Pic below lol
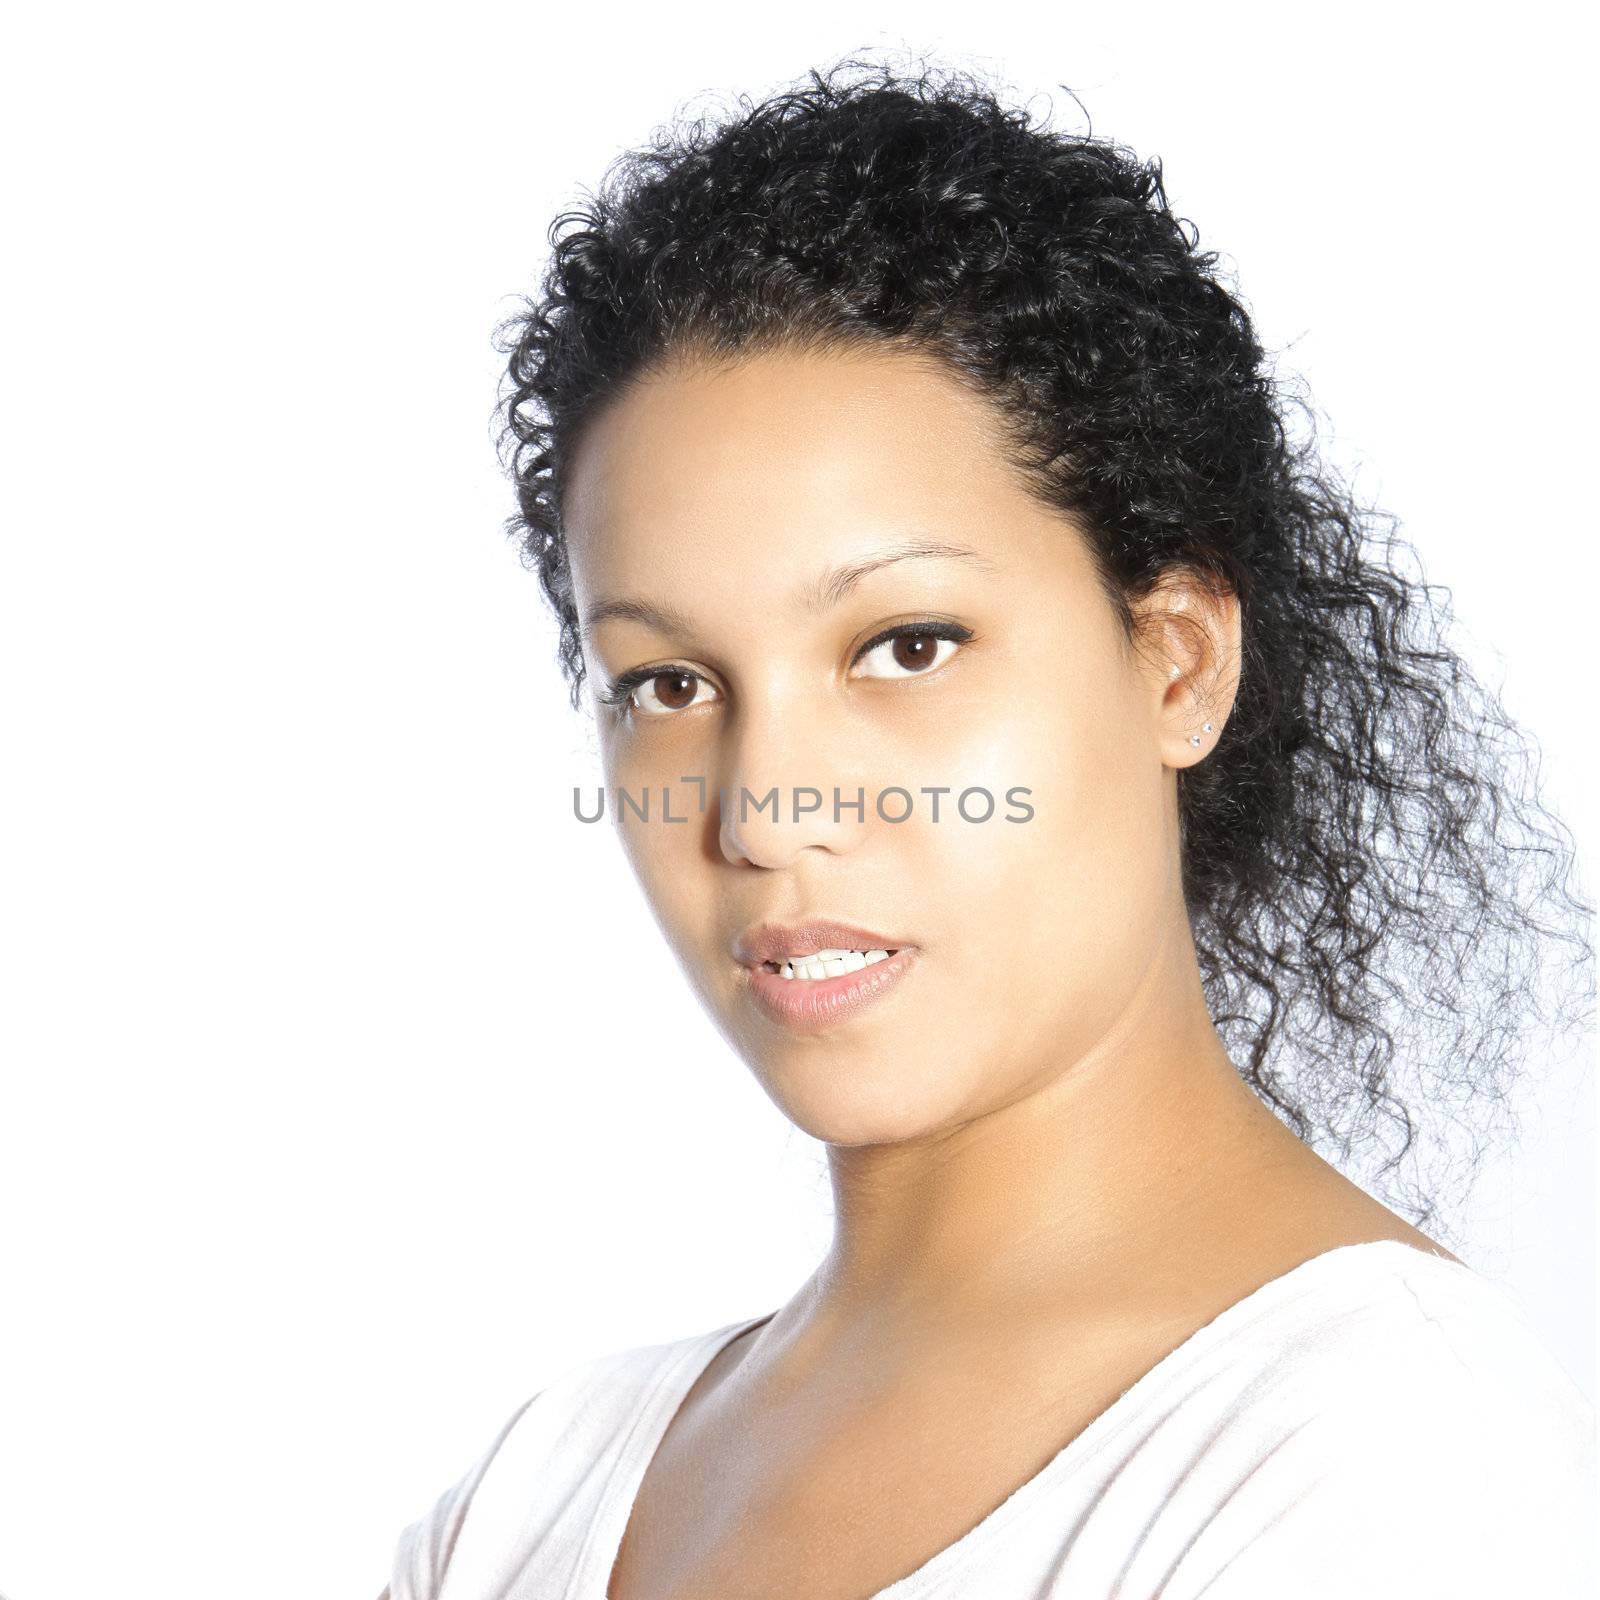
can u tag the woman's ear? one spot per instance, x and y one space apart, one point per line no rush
1188 635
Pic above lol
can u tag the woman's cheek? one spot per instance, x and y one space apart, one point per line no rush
1042 892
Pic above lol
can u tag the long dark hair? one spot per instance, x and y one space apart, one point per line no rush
1372 880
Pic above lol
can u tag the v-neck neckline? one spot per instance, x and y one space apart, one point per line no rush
673 1383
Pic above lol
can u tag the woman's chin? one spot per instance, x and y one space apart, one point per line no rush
844 1099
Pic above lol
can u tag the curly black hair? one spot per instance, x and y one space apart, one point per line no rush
1365 856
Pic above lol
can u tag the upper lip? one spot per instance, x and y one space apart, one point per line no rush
772 941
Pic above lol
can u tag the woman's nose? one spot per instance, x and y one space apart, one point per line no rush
785 789
768 827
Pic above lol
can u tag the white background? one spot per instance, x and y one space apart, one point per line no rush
350 1093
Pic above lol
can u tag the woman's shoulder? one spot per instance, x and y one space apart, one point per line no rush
1444 1329
1385 1327
603 1394
550 1447
1400 1396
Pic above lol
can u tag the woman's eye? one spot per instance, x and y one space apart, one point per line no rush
906 655
672 690
907 652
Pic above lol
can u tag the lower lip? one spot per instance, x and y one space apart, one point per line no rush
810 1004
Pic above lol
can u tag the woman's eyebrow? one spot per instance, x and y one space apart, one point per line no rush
821 595
833 586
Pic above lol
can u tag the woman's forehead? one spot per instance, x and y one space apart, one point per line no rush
780 431
800 461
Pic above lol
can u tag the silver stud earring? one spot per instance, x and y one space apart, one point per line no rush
1194 738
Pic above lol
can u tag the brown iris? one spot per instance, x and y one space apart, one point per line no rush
914 651
677 684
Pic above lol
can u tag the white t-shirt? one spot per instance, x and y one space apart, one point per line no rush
1379 1421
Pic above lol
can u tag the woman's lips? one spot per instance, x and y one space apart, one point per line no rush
810 1004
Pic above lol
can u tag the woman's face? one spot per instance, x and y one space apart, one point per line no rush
728 506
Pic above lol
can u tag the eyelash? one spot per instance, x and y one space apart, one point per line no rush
622 689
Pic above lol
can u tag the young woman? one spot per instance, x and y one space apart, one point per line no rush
1065 792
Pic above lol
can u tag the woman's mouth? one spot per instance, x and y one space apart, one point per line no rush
812 992
826 964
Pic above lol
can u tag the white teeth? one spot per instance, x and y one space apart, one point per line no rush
829 963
